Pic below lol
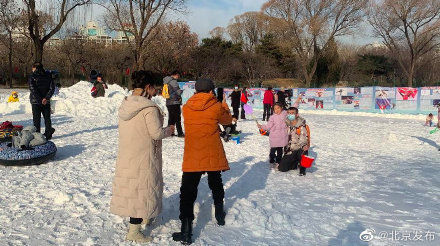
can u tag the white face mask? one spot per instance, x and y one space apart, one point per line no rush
236 88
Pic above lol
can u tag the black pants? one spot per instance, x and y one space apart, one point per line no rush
188 191
174 117
267 111
276 154
236 110
136 221
243 113
292 162
37 110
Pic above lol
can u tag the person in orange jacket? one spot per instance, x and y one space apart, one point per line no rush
203 153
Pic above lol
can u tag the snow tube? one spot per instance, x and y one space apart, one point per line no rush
6 134
10 156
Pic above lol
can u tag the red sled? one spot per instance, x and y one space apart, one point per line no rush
306 161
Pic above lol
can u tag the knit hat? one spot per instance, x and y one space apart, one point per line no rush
93 74
204 85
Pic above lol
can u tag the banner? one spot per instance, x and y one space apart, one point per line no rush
385 98
429 99
320 98
406 98
354 98
366 99
188 90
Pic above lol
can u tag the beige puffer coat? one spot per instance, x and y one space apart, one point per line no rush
138 182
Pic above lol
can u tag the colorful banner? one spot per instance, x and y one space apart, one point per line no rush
385 98
406 98
367 99
320 98
354 98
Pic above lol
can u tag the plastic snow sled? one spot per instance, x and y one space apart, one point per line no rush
264 133
37 155
236 138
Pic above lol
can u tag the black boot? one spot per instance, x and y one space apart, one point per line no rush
184 236
220 214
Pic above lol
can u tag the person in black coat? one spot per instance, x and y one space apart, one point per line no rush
235 101
41 86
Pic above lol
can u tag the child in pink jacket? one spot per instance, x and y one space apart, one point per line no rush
278 136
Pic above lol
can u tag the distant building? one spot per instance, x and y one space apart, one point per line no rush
93 32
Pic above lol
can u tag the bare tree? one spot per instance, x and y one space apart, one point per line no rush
9 16
40 33
409 28
248 28
218 32
313 23
139 19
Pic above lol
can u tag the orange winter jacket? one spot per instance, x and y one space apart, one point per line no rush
203 148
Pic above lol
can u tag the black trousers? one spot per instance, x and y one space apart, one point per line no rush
243 113
37 110
236 110
276 154
267 111
292 162
188 191
136 221
174 117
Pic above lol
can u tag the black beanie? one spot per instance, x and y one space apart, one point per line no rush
204 85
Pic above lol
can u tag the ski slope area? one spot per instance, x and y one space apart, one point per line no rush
371 172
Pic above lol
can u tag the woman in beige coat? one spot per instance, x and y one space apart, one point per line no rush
138 182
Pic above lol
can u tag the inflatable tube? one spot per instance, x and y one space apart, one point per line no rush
38 155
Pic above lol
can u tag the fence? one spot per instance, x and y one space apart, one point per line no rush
359 99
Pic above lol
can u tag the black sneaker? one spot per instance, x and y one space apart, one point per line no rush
181 135
48 134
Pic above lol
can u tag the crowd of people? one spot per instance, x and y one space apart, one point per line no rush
138 181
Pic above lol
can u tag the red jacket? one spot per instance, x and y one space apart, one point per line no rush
244 97
268 97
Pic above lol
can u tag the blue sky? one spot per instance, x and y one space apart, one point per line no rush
205 15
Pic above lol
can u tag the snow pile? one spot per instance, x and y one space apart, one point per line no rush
74 101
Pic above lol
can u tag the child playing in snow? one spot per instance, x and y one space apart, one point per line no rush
13 97
429 120
278 133
298 144
230 129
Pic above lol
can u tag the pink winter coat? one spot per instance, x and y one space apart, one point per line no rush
278 130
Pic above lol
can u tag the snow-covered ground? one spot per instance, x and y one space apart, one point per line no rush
371 172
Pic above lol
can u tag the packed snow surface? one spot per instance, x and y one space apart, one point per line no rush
371 171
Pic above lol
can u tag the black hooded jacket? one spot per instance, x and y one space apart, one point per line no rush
41 86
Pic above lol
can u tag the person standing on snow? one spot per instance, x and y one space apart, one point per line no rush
41 86
174 102
203 153
100 86
235 101
243 100
278 134
138 181
268 102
